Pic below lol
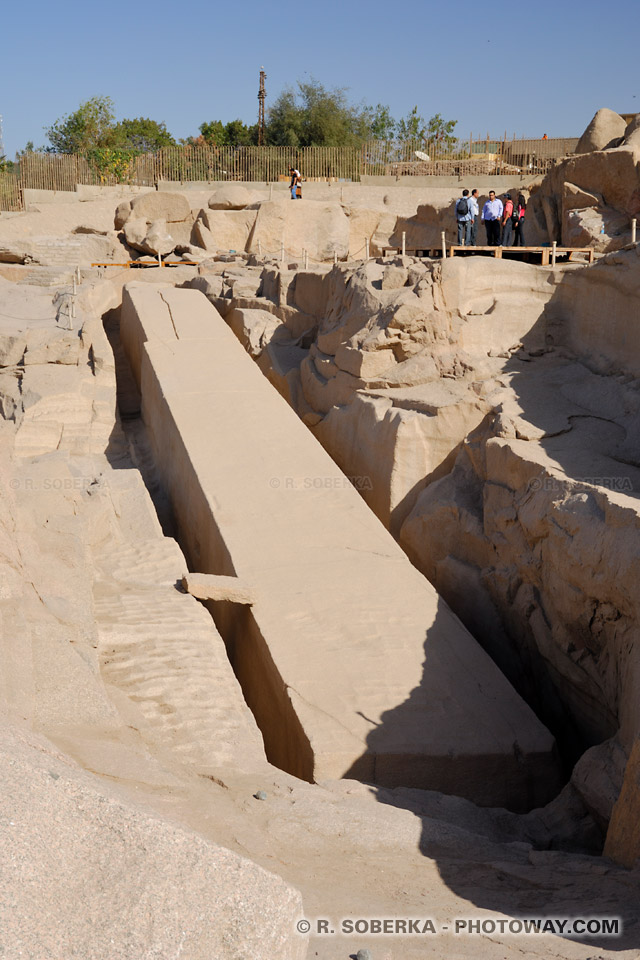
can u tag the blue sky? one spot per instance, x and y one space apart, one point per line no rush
542 67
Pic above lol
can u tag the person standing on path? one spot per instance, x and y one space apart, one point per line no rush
491 213
296 180
464 217
518 222
475 216
507 222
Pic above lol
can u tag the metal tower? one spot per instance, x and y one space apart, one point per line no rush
262 94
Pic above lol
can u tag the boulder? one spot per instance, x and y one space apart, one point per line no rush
135 230
632 133
598 777
123 211
583 228
208 586
393 277
231 196
158 240
623 836
574 197
203 237
253 328
170 207
154 239
606 126
229 229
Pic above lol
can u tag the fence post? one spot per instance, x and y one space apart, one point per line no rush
404 242
554 247
444 245
633 230
366 248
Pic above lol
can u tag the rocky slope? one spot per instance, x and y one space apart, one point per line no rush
489 419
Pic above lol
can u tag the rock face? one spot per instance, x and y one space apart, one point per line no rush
321 228
605 128
148 886
289 522
582 193
485 411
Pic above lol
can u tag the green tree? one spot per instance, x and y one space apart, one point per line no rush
412 127
315 116
284 121
381 124
212 133
89 127
234 134
441 133
141 134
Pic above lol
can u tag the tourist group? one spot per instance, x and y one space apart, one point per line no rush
503 220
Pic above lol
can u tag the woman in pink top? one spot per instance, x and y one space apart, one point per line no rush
507 226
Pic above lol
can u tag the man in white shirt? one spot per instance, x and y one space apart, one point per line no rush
475 216
296 179
491 213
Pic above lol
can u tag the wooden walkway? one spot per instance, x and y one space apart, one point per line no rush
544 252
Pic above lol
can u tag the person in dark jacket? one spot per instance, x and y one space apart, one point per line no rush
518 222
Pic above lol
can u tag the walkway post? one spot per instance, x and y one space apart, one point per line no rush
404 242
553 253
634 223
444 245
366 247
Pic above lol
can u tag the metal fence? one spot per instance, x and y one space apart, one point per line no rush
463 157
471 156
264 164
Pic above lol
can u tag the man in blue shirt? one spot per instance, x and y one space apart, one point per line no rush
491 213
475 216
464 218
